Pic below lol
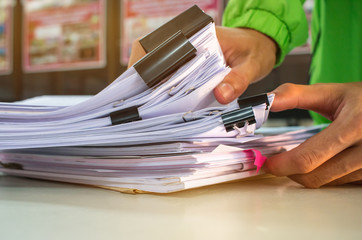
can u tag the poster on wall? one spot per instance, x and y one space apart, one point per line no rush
63 35
140 17
6 34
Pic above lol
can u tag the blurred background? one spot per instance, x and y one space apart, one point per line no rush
77 47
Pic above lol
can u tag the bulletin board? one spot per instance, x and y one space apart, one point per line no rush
63 35
140 17
6 35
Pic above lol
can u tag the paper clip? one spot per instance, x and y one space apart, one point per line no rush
170 90
189 90
118 103
185 114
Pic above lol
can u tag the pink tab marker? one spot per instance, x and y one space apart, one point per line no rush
259 158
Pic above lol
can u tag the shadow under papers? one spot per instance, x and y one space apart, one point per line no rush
231 194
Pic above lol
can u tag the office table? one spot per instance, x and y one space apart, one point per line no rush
271 208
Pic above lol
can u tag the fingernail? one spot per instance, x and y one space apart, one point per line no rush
227 91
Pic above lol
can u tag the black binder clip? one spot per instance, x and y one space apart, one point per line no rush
188 22
125 115
238 118
165 59
254 101
15 166
168 47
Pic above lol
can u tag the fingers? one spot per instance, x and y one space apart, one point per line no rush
236 82
313 152
338 136
354 177
250 54
321 98
342 168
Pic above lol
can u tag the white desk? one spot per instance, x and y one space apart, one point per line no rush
274 208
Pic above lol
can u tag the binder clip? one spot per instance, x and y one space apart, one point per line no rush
165 59
15 166
188 22
125 115
254 101
168 47
238 118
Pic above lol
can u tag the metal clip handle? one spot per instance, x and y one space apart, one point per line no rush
188 22
165 59
238 118
254 101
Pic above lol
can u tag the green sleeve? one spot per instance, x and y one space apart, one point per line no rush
282 20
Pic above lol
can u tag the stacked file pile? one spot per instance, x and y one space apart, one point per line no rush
156 128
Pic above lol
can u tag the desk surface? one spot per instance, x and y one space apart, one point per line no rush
274 208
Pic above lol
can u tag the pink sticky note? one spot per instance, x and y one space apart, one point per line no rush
259 158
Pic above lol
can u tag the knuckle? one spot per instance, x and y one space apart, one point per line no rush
357 125
344 166
240 76
287 87
343 139
312 181
239 80
348 138
257 68
305 161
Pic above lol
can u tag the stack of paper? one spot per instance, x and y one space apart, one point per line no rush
158 168
156 128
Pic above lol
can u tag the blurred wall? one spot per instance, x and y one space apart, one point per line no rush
19 85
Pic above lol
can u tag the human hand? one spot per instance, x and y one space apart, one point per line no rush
333 156
249 53
251 56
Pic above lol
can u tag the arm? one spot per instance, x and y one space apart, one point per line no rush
257 37
332 156
282 20
251 56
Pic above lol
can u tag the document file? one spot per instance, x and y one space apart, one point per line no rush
156 128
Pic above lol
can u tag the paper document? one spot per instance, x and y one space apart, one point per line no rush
156 128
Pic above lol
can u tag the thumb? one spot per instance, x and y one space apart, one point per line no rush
235 83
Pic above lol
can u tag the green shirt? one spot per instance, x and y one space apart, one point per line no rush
336 33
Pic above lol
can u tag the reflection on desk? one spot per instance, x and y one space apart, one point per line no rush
272 208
